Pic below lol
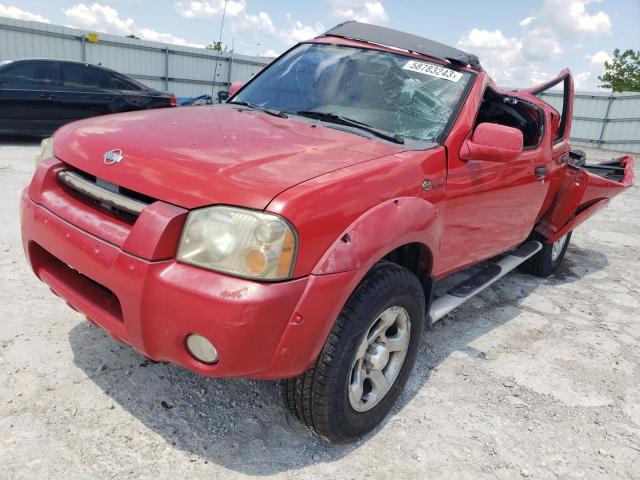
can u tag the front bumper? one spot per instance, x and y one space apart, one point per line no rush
154 305
123 277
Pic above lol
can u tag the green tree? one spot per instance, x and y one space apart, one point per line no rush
622 73
217 46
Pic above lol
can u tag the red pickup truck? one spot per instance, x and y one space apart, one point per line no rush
297 231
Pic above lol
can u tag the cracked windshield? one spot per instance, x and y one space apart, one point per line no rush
387 91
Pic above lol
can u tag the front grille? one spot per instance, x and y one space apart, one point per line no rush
119 201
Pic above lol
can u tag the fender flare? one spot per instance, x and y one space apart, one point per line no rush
380 230
368 239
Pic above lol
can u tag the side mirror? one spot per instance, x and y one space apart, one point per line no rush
493 143
235 86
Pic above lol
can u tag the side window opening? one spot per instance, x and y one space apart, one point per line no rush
556 96
118 82
29 74
512 112
77 75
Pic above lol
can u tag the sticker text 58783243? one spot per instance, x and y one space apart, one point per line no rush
433 70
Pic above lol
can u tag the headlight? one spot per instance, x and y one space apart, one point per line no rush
238 241
46 150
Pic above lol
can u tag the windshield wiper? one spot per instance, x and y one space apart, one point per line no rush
270 111
339 119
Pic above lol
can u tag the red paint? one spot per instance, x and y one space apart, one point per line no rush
235 88
405 219
359 191
351 199
602 188
568 197
579 195
492 143
159 303
202 156
579 218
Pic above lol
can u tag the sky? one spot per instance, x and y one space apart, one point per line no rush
519 42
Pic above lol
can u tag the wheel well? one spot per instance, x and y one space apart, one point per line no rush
415 257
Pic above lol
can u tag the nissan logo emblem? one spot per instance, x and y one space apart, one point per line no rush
112 156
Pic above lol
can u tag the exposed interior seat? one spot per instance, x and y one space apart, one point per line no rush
512 112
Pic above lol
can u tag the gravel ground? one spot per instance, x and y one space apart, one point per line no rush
532 378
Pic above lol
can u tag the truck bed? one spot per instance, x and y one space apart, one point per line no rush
612 170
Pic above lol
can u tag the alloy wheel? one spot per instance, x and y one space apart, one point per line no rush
379 358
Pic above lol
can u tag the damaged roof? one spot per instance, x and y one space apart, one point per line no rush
405 41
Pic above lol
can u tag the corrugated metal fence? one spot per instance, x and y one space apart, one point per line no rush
184 71
603 120
600 119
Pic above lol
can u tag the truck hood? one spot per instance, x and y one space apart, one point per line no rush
197 156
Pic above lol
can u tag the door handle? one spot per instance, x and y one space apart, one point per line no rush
113 99
541 171
47 96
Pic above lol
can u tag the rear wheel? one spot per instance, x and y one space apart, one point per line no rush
366 360
548 259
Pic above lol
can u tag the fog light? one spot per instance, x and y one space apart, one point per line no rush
201 348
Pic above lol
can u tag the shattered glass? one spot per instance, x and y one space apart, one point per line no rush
370 86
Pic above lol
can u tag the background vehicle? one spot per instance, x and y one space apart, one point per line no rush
38 96
192 101
302 238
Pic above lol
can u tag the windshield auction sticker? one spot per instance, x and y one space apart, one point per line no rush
433 70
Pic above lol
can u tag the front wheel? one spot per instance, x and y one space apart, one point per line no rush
366 360
548 259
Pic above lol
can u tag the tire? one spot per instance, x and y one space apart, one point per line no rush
323 398
547 260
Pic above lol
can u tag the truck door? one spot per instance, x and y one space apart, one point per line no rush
569 184
491 206
558 93
579 190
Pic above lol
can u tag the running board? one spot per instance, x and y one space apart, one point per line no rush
489 273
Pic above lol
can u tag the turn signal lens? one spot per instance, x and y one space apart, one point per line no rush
46 151
288 251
